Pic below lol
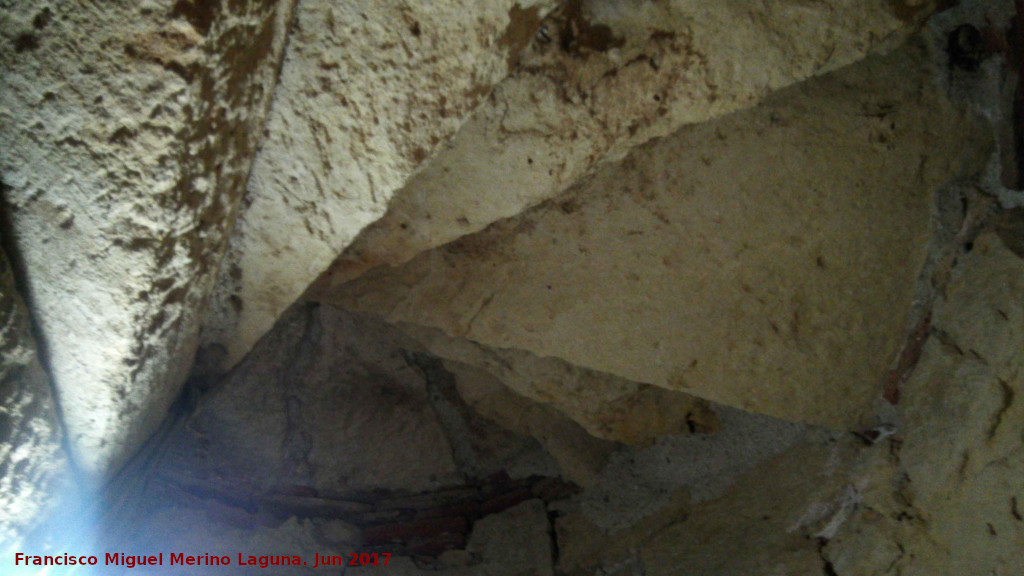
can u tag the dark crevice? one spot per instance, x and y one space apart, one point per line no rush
199 13
1007 399
977 211
261 134
826 565
445 402
553 534
297 440
122 495
26 42
462 426
965 48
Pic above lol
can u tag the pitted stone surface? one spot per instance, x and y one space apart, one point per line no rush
32 461
126 134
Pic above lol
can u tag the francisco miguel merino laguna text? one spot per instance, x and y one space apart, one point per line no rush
175 559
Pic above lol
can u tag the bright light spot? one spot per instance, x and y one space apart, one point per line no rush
72 529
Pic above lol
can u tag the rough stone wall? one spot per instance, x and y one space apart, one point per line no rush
941 496
418 457
963 451
32 460
384 414
126 134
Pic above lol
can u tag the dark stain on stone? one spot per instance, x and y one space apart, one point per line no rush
175 296
965 48
199 13
121 136
523 25
135 244
474 246
419 155
915 11
476 93
904 10
157 321
242 51
164 48
42 19
579 35
1009 225
569 206
26 42
1007 401
702 419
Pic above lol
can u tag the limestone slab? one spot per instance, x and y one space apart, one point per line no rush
126 134
368 92
604 76
510 543
765 260
756 528
515 541
196 527
32 460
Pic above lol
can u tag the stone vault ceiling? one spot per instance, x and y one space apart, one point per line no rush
603 274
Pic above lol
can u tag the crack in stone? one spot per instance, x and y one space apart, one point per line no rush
452 414
1007 401
297 438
